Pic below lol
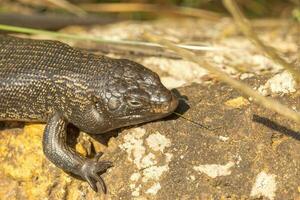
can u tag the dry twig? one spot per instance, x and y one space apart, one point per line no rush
246 28
153 8
103 40
266 102
64 4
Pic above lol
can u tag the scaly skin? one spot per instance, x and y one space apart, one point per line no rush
49 81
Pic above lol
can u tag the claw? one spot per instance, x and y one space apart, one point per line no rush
101 182
91 171
91 183
98 156
103 166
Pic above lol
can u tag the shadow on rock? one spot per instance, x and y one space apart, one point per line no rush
276 127
182 107
11 124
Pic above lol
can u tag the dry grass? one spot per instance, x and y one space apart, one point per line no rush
246 28
243 88
152 8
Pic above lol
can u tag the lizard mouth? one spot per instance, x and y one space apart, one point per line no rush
167 107
156 112
131 117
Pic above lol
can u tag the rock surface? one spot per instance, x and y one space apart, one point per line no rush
224 146
244 151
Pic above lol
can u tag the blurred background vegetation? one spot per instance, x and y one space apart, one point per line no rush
252 8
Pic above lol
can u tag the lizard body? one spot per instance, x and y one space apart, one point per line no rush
49 81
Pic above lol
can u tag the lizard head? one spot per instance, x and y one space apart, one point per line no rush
133 94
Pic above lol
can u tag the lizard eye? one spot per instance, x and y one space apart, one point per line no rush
134 103
136 98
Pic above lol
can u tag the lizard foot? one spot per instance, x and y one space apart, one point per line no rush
91 171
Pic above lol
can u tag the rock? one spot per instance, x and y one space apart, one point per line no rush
247 144
245 152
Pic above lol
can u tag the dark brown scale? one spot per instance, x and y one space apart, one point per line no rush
49 81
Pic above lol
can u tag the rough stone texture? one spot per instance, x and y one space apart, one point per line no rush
248 152
245 151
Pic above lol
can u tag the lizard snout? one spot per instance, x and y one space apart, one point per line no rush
169 101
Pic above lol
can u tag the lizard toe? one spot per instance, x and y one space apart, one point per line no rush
98 156
102 166
91 171
91 182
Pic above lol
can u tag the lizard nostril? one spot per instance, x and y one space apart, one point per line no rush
169 102
165 97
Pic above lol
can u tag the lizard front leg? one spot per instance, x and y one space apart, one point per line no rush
59 153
